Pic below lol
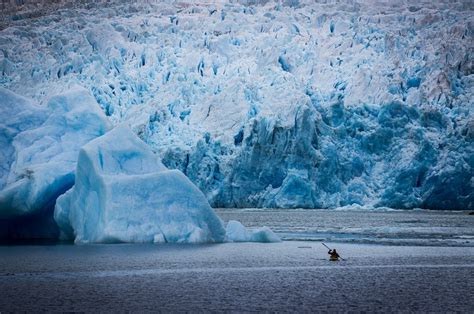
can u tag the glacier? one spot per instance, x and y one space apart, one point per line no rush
38 156
123 193
313 104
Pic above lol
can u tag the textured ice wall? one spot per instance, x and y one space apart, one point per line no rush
286 104
39 148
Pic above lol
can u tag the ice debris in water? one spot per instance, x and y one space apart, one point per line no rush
236 232
123 193
39 148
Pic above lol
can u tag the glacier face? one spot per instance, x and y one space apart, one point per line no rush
123 193
38 156
274 104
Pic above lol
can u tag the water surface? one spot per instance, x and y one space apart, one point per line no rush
376 276
392 227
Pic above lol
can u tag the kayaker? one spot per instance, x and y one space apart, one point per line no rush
333 256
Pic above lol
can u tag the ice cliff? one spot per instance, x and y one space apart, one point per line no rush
272 103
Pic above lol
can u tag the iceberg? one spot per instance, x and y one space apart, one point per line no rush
123 193
38 157
236 232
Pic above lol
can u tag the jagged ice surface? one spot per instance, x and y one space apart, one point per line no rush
291 104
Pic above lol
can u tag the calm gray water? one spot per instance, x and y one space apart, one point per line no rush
391 227
289 276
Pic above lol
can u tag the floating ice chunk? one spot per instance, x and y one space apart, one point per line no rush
39 153
236 232
264 234
123 193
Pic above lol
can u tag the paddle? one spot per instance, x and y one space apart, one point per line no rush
330 249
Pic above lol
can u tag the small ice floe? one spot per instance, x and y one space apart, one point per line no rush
236 232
